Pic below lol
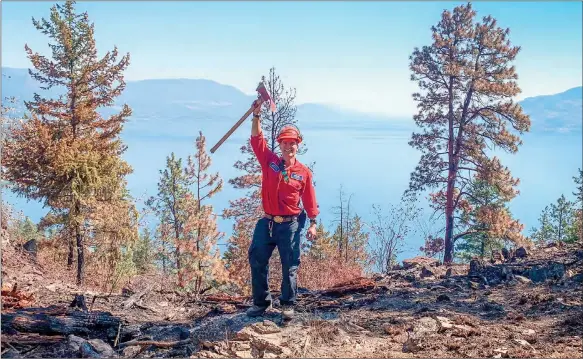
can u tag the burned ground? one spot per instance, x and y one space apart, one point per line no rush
525 306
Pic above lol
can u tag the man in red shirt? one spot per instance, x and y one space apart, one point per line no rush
285 181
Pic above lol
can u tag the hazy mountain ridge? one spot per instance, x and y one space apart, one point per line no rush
183 102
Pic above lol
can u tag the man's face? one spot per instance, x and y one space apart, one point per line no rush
289 149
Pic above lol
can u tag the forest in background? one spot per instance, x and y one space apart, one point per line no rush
65 154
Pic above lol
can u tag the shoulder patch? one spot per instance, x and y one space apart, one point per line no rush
274 166
297 176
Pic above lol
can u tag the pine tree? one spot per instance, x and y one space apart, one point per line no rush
561 216
202 263
465 108
575 231
543 234
144 252
67 154
485 221
188 228
171 207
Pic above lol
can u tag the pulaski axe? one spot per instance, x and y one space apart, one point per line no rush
262 96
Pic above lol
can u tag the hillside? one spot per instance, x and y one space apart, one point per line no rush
157 104
561 112
176 106
523 305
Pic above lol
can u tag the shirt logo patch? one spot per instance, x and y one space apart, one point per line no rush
274 167
297 176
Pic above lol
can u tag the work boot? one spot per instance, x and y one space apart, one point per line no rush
256 311
287 312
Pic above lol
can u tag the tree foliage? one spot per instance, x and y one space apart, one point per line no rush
66 154
465 108
187 231
562 220
486 221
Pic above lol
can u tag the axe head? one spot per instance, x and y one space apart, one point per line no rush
263 92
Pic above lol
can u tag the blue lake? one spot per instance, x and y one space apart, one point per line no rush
372 161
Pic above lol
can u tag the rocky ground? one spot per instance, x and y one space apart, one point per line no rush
523 305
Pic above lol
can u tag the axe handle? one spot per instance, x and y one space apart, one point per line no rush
230 132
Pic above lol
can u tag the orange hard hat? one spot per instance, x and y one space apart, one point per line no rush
289 133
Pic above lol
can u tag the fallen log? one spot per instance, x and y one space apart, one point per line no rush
32 339
52 321
359 285
223 298
155 343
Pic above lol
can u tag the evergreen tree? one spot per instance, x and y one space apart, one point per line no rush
466 107
67 154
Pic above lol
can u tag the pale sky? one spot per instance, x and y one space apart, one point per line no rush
350 54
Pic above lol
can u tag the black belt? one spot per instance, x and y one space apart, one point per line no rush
281 219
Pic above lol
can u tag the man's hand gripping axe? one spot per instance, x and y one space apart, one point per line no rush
262 96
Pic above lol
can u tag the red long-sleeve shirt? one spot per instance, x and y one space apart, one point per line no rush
278 197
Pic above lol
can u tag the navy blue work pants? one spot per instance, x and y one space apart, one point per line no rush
286 236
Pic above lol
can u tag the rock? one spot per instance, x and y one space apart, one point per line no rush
494 281
426 272
30 247
505 254
492 306
506 273
541 273
53 287
410 278
522 279
126 292
577 278
87 351
208 354
473 285
476 267
422 328
443 323
464 331
443 298
497 256
93 348
264 336
267 327
131 351
11 353
102 348
420 261
438 287
522 342
521 253
75 342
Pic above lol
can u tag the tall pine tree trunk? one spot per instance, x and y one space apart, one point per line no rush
448 255
80 255
178 261
71 249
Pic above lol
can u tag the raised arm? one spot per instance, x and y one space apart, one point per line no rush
258 143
